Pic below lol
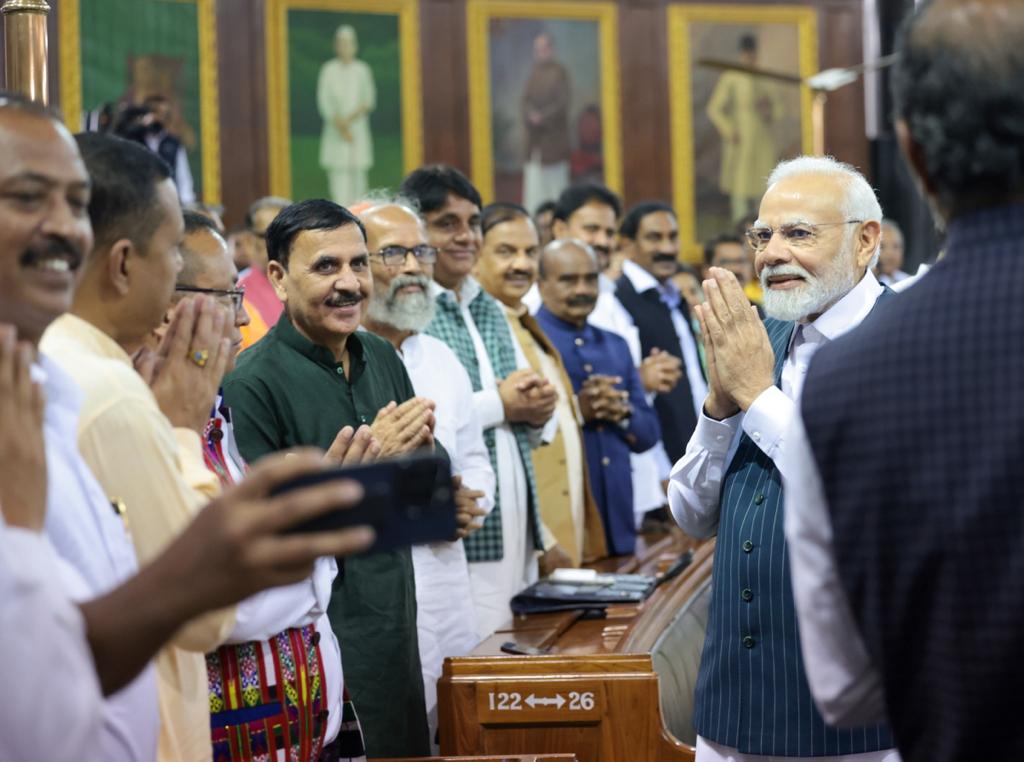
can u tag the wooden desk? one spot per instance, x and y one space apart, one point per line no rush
594 694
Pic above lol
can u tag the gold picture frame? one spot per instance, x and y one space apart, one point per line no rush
681 20
278 85
70 57
479 14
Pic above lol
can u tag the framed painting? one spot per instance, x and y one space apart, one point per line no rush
739 105
344 100
544 97
118 52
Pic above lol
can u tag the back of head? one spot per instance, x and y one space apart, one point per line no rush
957 87
429 187
575 196
631 222
124 201
312 214
191 260
257 206
496 214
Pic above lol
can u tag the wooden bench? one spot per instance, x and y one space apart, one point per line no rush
612 689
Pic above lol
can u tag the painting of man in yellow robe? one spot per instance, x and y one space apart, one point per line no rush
746 110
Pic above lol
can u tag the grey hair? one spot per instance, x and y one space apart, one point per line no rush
346 30
860 201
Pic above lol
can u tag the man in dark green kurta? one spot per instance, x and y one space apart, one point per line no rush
309 377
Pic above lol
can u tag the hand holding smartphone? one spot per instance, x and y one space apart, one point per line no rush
407 501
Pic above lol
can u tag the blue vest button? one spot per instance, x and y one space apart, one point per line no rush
747 546
747 595
758 499
748 642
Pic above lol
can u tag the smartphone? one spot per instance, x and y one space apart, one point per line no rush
408 501
511 647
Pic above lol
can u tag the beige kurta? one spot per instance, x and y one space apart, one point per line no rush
745 110
158 473
567 507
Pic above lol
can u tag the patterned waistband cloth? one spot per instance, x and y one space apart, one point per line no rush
268 700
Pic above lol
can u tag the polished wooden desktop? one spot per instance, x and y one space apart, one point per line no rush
593 692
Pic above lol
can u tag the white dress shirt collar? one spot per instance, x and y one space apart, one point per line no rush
639 277
848 312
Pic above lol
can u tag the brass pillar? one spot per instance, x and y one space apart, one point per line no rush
818 122
25 48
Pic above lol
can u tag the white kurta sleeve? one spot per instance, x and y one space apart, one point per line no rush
695 482
471 459
845 685
45 654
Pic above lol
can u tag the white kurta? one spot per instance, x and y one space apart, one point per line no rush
494 583
96 556
53 708
342 89
445 616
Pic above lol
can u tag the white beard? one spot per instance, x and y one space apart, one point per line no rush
817 293
408 312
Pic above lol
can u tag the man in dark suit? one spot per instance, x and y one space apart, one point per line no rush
649 235
815 239
916 425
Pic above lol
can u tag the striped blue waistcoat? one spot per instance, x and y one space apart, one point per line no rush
752 692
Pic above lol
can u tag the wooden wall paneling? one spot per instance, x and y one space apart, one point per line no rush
445 80
646 132
841 44
243 105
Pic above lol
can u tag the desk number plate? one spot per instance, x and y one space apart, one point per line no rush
549 701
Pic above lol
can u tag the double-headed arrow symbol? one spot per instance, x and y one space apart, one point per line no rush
557 702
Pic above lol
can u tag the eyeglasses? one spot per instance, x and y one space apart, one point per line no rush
235 295
797 234
394 256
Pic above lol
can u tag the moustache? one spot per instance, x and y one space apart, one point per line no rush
581 301
54 247
768 272
663 258
408 280
343 299
528 274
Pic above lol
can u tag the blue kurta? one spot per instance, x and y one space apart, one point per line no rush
591 351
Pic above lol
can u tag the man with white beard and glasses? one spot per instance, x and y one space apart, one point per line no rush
402 264
816 239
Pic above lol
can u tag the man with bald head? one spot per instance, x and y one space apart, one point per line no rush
617 419
815 239
402 264
907 461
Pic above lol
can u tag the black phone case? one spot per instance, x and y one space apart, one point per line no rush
408 501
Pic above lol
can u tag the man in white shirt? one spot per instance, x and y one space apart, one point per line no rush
512 402
815 240
402 262
230 551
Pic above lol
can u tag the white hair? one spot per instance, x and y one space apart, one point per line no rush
860 202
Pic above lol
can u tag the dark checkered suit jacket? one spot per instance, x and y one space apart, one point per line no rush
916 421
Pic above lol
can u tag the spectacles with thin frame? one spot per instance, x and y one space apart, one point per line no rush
237 295
394 256
796 234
